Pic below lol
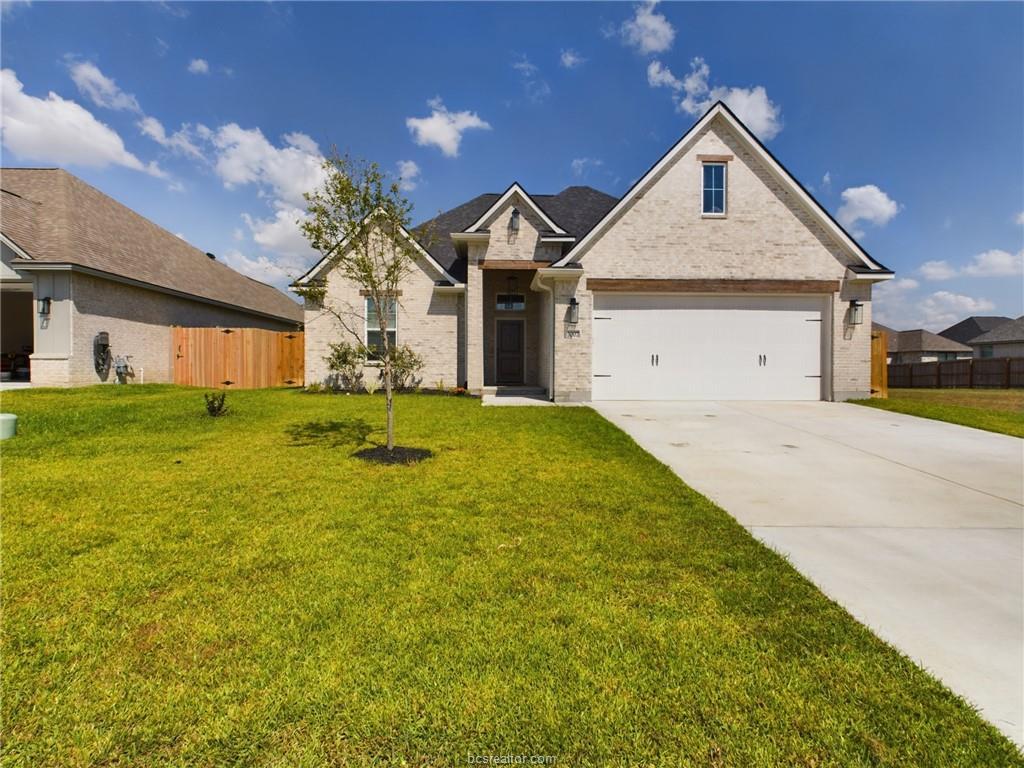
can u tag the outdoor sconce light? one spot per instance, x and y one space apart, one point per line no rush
44 306
856 312
513 284
513 223
574 311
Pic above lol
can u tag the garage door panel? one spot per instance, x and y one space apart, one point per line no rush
671 347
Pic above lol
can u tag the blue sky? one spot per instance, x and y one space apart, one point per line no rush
906 120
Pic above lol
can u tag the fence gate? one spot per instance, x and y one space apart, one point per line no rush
237 358
879 364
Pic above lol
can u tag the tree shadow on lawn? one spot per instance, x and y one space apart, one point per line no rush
354 432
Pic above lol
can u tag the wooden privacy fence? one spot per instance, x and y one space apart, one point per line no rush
990 372
879 364
237 358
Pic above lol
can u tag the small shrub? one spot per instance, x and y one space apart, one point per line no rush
458 391
346 362
439 385
315 388
371 386
216 403
405 363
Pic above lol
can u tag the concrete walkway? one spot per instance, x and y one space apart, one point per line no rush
913 525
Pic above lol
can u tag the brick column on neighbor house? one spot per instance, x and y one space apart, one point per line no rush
474 314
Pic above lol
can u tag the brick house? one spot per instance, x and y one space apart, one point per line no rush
716 276
80 271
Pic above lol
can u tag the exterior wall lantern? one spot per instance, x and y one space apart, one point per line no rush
513 222
44 306
856 312
574 311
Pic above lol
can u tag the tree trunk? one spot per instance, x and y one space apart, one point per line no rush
390 400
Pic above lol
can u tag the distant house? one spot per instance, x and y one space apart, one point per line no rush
85 280
890 339
1005 340
921 346
972 327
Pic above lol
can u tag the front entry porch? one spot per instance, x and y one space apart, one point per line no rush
511 330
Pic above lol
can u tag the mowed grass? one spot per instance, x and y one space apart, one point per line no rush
995 410
187 591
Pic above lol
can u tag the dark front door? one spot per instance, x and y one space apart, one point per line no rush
510 352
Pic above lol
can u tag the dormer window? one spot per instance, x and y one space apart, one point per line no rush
713 202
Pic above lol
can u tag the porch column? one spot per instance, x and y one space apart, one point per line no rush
475 319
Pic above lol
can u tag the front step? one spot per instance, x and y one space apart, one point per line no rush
515 391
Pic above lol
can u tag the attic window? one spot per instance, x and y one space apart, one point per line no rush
713 202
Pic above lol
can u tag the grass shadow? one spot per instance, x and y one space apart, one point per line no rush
330 434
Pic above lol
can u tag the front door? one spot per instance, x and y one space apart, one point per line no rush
510 351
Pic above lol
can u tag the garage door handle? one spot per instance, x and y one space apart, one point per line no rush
652 360
657 359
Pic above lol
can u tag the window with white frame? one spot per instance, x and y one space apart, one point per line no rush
374 339
713 201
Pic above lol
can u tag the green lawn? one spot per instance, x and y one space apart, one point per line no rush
180 590
995 410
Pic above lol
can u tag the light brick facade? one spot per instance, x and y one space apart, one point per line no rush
768 233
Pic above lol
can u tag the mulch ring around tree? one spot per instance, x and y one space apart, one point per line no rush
379 454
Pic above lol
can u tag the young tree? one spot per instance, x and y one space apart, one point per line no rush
358 220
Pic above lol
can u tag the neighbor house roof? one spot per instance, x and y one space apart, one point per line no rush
1005 333
575 209
920 340
56 218
891 340
972 327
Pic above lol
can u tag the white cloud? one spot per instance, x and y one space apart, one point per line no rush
408 175
581 165
826 181
262 268
937 270
1020 218
55 130
100 89
8 7
751 105
244 156
199 67
444 129
535 86
280 233
179 141
238 235
162 47
996 263
660 76
648 32
178 10
896 304
868 204
571 59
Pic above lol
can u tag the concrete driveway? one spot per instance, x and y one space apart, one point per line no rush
913 525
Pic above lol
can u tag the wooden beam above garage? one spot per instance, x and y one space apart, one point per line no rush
628 285
513 264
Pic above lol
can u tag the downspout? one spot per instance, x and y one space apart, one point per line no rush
538 283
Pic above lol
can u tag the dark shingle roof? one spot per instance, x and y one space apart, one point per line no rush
891 341
920 340
56 217
574 209
972 327
1011 331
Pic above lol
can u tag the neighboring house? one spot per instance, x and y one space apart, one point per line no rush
716 276
78 264
972 327
1005 340
921 346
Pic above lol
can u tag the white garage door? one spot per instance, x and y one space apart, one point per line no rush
680 347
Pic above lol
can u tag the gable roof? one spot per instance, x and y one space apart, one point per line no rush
56 218
514 189
719 109
1012 331
972 327
577 209
920 340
